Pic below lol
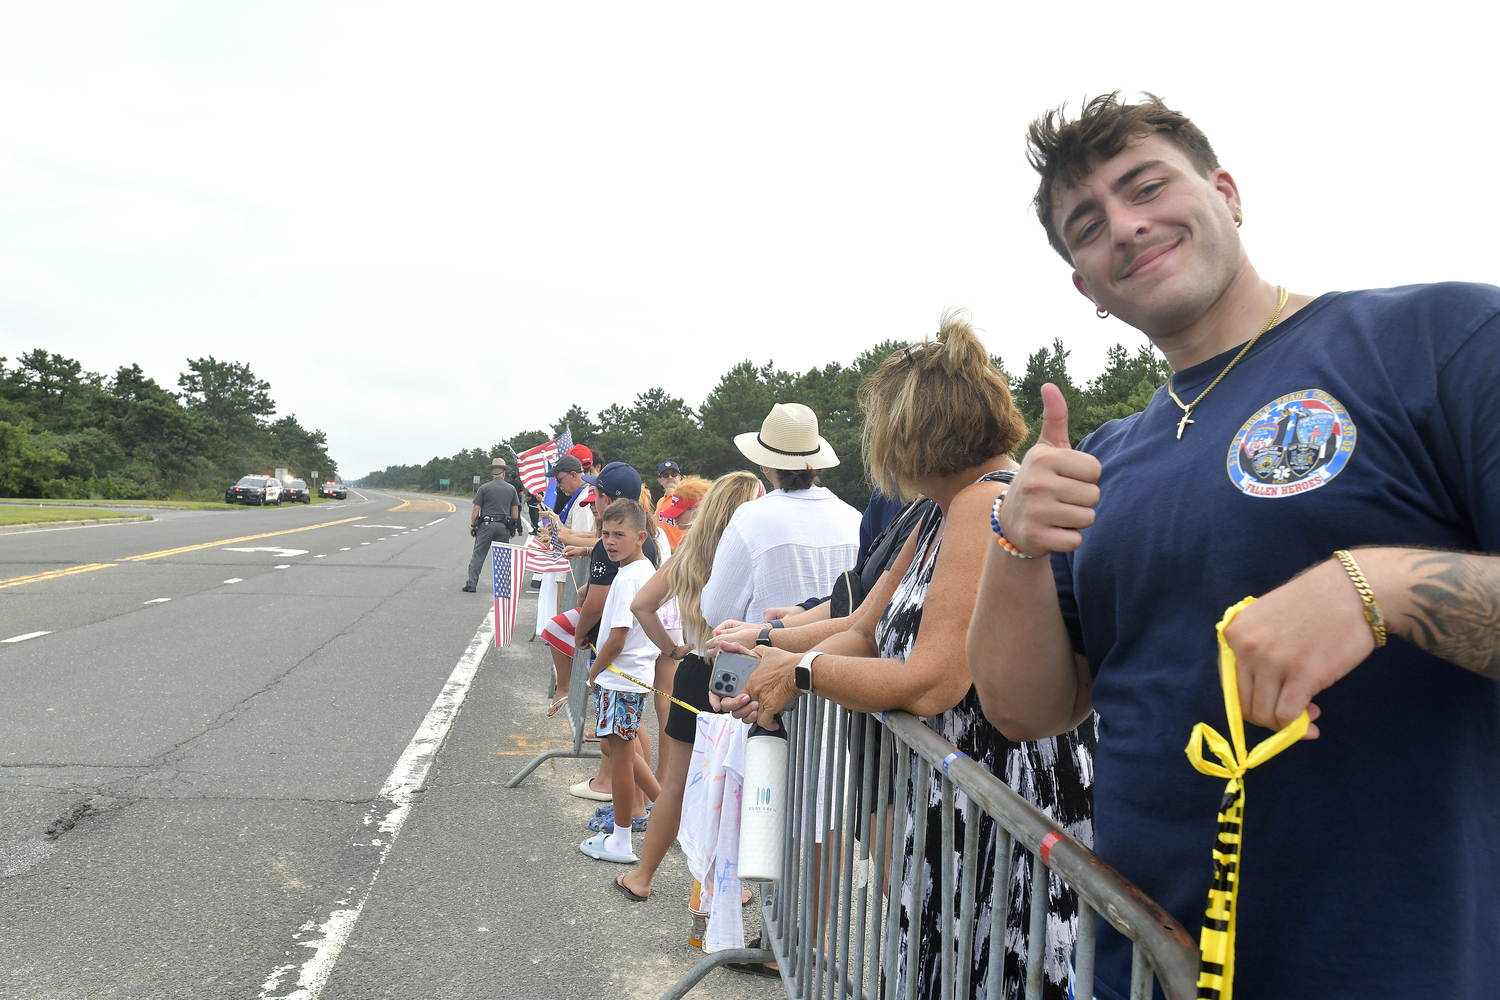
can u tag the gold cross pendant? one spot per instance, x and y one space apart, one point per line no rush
1182 424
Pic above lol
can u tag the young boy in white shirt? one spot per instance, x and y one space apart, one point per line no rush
627 648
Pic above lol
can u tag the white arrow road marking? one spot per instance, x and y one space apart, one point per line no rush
33 635
283 553
388 815
157 600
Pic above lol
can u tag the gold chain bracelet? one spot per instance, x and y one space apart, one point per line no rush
1366 596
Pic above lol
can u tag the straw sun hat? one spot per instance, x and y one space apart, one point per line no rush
789 440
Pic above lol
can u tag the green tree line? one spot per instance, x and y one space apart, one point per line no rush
73 434
659 426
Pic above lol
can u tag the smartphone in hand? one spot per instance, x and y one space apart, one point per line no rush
730 672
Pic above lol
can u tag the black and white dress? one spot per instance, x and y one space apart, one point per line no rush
1056 775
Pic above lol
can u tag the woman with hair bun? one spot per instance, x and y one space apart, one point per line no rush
939 422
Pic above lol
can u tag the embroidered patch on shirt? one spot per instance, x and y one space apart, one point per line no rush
1292 445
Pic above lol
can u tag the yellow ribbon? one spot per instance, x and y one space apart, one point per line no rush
1216 971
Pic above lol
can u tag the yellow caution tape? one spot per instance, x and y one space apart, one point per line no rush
1216 971
648 687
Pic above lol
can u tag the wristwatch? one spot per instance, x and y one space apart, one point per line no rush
778 623
802 674
764 639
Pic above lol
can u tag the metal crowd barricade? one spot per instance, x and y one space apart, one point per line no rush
832 934
578 685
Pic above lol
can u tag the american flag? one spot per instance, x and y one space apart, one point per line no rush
535 462
564 442
510 565
541 560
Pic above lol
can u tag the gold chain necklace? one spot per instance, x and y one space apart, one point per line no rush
1187 408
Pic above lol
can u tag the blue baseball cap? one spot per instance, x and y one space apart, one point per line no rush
661 469
617 480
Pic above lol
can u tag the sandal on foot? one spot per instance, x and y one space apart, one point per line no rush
630 893
585 790
594 848
754 968
559 703
604 819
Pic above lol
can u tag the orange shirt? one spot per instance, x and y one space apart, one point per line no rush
674 533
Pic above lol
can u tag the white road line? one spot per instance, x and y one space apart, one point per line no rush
388 813
235 579
157 600
33 635
285 566
431 523
345 549
323 556
364 543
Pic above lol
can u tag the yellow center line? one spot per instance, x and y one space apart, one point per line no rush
231 541
424 505
17 581
53 574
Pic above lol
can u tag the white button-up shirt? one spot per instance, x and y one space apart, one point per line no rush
778 551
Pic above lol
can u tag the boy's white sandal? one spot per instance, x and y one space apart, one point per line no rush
594 848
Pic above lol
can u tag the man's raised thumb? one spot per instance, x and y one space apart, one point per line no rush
1054 418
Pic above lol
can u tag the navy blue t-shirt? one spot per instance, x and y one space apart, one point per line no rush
1371 858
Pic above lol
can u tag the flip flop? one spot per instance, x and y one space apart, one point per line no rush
630 893
559 703
585 791
594 848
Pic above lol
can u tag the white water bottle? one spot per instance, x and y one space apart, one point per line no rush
763 807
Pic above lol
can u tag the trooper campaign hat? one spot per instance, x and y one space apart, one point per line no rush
498 463
788 439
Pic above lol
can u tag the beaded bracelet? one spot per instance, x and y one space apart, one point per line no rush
1000 535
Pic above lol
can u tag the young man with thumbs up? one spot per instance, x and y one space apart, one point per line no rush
1337 457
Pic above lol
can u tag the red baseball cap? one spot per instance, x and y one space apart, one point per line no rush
582 453
677 506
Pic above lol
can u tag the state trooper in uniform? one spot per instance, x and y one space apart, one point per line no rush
493 519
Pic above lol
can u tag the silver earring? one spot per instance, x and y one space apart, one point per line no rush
1101 313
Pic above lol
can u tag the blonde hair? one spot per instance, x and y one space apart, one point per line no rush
936 408
691 487
694 559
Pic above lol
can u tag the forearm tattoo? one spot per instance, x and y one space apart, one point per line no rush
1457 610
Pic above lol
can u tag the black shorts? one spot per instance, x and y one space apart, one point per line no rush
689 685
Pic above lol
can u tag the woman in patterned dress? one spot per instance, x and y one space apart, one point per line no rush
939 422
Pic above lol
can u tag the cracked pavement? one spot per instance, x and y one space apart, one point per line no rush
186 787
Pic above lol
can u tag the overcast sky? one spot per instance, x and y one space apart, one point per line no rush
431 226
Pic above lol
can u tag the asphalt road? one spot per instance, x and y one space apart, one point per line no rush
197 764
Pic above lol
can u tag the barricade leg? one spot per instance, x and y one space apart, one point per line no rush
578 688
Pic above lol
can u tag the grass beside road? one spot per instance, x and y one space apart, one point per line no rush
30 515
